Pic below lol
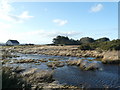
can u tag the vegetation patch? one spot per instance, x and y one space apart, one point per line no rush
25 61
12 80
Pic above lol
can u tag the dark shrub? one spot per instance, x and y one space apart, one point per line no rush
86 40
62 40
103 39
85 47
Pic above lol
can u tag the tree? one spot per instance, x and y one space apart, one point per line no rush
103 39
61 40
65 40
86 40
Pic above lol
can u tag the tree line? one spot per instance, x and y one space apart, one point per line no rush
88 43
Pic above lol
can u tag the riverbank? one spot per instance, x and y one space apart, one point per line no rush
104 56
37 70
32 79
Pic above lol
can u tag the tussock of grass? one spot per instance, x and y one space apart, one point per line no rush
12 80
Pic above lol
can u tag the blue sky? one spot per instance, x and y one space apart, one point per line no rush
39 22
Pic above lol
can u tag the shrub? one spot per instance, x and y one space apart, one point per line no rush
106 45
85 47
86 40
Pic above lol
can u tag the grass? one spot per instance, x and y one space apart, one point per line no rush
12 80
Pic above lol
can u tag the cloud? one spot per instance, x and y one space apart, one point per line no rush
35 36
44 33
5 26
6 13
96 8
20 18
60 22
5 6
25 15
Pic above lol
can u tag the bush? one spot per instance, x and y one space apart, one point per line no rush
85 47
102 39
62 40
86 40
106 45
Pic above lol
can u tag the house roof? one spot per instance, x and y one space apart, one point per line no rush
14 41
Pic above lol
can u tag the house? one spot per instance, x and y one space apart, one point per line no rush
12 42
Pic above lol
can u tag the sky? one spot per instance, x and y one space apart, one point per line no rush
40 22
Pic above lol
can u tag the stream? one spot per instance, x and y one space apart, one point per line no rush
108 76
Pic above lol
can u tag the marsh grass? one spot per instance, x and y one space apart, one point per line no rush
12 80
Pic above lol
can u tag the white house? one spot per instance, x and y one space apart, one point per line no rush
12 42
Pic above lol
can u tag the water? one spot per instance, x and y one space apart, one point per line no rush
73 75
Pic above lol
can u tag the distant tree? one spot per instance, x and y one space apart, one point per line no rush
103 39
61 40
86 40
64 41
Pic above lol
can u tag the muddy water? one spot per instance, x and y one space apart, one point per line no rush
73 75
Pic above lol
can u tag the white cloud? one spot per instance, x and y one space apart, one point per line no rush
60 22
5 6
36 36
96 8
5 26
51 34
6 13
25 15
